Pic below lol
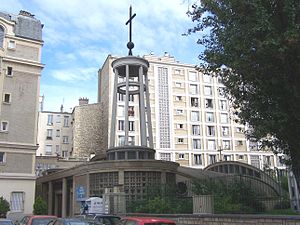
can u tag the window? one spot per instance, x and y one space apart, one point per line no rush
195 116
66 121
211 145
9 71
194 102
130 110
239 143
196 129
179 111
4 126
225 131
121 125
131 140
209 104
254 161
17 201
48 150
180 140
221 91
239 130
206 78
6 98
212 159
2 35
2 157
177 71
223 105
241 157
193 89
165 156
120 97
57 133
131 125
64 153
49 134
181 156
120 110
209 117
178 84
210 131
178 98
197 159
65 139
224 118
11 44
179 125
50 119
58 119
226 144
56 149
192 76
227 157
131 98
196 144
208 90
121 140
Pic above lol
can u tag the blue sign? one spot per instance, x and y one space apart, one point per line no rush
80 193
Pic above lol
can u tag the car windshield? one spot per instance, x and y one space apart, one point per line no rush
76 222
41 221
6 223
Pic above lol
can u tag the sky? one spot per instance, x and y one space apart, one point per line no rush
78 36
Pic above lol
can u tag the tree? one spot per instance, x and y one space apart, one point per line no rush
40 206
4 207
254 45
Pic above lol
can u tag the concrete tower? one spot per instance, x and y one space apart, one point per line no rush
130 80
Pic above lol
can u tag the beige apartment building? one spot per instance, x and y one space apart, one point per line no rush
191 118
20 70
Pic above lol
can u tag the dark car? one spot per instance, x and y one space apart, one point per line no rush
107 219
145 221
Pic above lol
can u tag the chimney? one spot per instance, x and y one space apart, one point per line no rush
83 101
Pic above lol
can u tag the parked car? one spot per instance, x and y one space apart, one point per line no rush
145 221
68 221
6 222
36 220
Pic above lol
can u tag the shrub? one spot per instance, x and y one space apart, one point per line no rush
40 206
4 207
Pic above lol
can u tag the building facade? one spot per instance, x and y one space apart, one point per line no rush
192 122
55 134
20 70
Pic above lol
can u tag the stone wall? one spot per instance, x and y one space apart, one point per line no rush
90 132
228 219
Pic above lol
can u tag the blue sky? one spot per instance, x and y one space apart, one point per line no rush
78 36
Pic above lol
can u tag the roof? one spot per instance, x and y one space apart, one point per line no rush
149 219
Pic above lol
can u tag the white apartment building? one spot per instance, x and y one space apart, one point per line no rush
55 134
20 70
191 118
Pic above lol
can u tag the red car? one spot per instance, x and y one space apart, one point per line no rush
37 220
145 221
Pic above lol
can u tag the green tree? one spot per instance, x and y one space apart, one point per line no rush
254 45
4 207
40 206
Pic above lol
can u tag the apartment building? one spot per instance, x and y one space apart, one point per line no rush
191 118
55 134
20 70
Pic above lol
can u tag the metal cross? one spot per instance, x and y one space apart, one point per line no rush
130 44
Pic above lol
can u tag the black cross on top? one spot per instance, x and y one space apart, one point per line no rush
130 44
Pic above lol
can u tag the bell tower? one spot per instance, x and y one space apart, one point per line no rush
131 81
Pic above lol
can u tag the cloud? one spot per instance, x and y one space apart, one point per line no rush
75 74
